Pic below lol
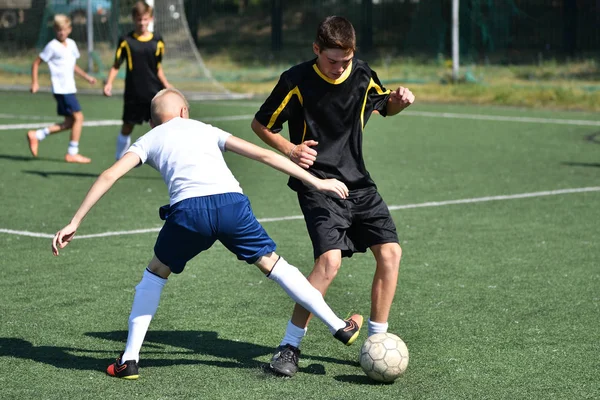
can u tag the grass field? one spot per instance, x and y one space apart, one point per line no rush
497 213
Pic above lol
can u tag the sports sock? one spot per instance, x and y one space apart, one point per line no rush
145 304
302 292
293 335
123 142
377 327
73 148
41 134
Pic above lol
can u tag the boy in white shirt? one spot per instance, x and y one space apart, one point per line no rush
206 205
61 54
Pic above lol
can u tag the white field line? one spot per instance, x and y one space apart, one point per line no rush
483 117
554 121
294 217
112 122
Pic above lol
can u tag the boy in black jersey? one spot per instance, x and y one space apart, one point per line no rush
142 52
327 102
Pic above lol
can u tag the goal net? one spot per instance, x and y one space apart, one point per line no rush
26 27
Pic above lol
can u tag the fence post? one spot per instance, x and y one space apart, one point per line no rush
455 40
276 24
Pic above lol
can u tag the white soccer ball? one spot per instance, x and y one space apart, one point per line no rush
384 357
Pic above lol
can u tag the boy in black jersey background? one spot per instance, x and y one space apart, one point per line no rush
142 52
327 102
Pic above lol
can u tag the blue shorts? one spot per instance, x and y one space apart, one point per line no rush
193 225
66 104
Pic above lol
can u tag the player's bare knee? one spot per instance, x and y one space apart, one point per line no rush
77 116
328 265
388 256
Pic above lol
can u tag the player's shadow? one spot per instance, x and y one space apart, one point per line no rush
580 164
236 354
50 174
13 157
230 354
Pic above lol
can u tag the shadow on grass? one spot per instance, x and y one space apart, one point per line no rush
232 354
13 157
49 174
208 343
580 164
360 380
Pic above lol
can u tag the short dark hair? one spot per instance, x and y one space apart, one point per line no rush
336 33
141 8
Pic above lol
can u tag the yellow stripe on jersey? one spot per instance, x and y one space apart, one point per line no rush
372 85
294 91
337 81
160 48
124 45
129 58
144 39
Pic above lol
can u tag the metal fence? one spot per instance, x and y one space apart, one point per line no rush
497 31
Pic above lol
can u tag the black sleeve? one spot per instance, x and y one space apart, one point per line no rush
378 95
121 52
275 111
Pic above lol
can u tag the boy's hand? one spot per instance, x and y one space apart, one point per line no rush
402 96
35 87
303 155
91 80
333 186
63 237
107 90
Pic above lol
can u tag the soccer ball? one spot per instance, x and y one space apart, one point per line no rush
384 357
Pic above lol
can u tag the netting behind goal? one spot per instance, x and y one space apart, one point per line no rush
183 63
26 27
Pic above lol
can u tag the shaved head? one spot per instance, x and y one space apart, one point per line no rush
168 104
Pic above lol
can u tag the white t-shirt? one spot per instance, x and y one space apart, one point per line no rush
61 60
189 156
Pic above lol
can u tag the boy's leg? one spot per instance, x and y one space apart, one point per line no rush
145 304
73 155
285 360
124 139
34 137
388 257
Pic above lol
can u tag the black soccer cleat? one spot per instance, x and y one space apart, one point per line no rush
285 360
348 334
126 370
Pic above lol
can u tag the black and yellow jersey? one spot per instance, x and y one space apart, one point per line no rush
142 58
332 112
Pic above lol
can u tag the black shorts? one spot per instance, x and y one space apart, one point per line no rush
136 113
351 225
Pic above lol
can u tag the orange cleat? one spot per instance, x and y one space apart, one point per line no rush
77 159
33 143
124 370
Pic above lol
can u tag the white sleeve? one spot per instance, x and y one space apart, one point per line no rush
222 137
141 148
47 53
76 50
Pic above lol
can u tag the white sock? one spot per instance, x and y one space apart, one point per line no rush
123 142
302 292
145 304
41 134
73 148
377 327
293 335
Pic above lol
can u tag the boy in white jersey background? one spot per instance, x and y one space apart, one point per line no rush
206 204
61 54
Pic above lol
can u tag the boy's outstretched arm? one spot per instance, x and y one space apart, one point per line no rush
35 86
280 163
98 189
